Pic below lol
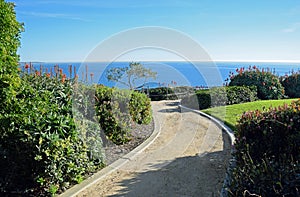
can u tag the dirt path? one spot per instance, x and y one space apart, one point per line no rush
188 158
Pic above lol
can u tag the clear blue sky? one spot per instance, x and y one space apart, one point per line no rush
67 30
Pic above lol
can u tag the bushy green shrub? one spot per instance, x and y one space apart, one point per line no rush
241 94
116 109
42 151
267 152
113 113
268 85
291 85
140 108
220 96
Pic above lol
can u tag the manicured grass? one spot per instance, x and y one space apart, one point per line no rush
230 114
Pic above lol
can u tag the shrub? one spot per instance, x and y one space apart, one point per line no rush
268 85
291 85
220 96
241 94
267 152
42 152
140 108
112 111
116 109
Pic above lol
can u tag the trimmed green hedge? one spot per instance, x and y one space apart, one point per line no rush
267 153
168 93
220 96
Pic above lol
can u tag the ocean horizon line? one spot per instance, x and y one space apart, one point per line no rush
233 61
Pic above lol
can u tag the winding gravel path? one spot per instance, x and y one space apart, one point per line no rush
188 158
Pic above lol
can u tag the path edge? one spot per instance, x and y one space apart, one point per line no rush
229 132
78 188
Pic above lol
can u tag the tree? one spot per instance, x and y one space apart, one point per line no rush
135 71
10 33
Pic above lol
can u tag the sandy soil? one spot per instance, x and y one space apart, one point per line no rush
188 158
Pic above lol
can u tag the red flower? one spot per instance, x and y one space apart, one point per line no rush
63 79
27 66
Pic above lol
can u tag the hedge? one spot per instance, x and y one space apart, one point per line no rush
267 153
219 96
167 93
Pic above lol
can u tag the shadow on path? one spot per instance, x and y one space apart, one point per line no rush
169 110
173 103
186 176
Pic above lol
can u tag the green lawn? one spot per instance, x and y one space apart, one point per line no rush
231 113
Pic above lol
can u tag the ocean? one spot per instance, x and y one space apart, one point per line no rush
196 74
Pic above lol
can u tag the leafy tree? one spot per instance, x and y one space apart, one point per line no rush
10 32
135 71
